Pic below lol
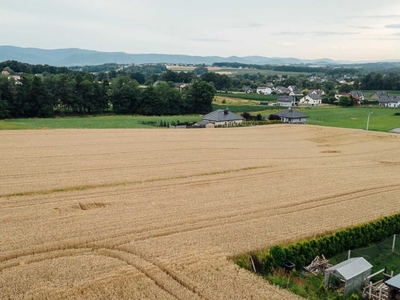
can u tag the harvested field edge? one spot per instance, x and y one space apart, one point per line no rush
332 244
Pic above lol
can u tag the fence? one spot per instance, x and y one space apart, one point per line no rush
385 254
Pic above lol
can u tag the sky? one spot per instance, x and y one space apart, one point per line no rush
308 29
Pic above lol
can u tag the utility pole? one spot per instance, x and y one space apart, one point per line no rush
368 119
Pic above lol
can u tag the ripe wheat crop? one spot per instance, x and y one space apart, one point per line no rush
157 214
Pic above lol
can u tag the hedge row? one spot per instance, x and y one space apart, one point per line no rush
302 253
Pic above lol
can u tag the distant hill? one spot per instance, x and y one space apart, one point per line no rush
80 57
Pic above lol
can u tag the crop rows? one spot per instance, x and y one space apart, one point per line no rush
156 214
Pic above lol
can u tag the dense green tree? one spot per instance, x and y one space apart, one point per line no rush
221 82
200 70
345 101
125 96
345 88
200 96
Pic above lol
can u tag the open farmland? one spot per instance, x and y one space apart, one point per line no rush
157 214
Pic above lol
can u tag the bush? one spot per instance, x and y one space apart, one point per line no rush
278 254
302 253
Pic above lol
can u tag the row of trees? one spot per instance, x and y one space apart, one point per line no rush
36 96
378 81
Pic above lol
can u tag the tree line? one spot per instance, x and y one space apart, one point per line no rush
63 94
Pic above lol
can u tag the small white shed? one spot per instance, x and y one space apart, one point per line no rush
350 273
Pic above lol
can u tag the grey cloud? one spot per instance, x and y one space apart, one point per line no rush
289 33
329 33
249 25
393 26
361 27
377 17
211 40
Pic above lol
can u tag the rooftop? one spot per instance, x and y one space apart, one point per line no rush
351 267
222 115
291 114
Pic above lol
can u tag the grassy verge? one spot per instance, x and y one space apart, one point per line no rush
93 122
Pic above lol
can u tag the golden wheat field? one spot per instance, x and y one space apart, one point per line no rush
157 214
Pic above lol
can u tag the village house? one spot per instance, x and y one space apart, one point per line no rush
221 117
264 90
295 92
287 101
5 73
378 95
311 99
337 96
316 92
181 86
247 89
393 102
292 116
282 90
357 95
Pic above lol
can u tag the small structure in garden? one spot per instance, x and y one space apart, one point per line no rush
349 275
394 287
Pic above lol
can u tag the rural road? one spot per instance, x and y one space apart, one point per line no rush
396 130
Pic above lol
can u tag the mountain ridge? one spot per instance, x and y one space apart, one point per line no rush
79 57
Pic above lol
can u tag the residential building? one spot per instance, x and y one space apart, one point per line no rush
378 95
264 90
393 102
287 101
292 116
311 99
223 117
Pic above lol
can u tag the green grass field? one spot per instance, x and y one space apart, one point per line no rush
99 122
382 119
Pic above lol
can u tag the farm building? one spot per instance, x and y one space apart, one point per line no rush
394 287
350 273
291 116
222 117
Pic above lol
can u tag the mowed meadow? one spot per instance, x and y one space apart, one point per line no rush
158 214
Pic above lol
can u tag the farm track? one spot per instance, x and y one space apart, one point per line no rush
148 219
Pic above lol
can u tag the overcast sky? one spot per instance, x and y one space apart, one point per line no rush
337 29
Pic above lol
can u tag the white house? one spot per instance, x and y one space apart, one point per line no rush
223 117
316 92
287 101
393 102
264 90
291 116
295 92
311 99
282 90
